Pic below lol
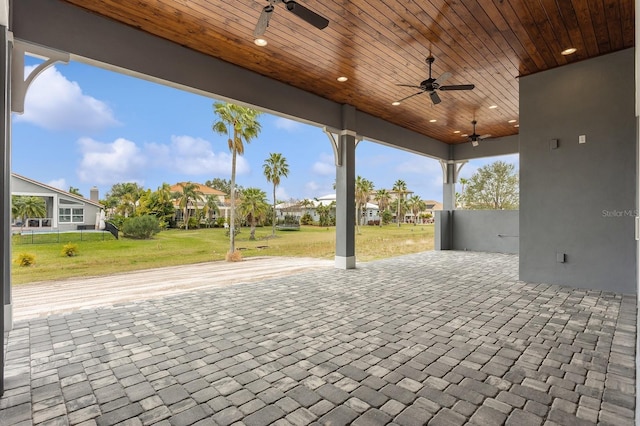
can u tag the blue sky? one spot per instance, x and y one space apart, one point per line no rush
85 126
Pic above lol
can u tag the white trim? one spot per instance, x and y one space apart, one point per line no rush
4 13
8 317
345 262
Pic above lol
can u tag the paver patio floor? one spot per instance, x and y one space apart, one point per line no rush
433 338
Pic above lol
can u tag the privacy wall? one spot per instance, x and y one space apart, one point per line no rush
578 175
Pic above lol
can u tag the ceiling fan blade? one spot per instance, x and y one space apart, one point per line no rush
409 85
485 136
263 21
308 15
444 77
410 96
458 87
435 98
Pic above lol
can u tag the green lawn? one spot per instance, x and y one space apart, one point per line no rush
179 247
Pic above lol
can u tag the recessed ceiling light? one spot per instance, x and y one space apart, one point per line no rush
260 42
464 135
493 107
432 121
516 125
342 79
456 131
512 121
396 103
569 51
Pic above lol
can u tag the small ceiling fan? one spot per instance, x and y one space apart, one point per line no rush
431 85
297 9
475 138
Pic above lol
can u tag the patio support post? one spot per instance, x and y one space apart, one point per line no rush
345 150
5 203
444 219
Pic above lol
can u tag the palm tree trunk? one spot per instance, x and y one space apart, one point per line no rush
232 216
273 232
398 213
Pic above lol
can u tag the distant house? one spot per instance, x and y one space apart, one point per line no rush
65 211
220 197
369 215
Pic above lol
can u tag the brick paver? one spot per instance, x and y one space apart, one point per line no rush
432 338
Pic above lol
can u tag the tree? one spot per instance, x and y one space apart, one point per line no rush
274 168
416 205
222 185
75 191
24 207
158 203
190 194
382 197
253 206
240 125
493 186
460 197
362 194
123 197
210 206
324 213
400 188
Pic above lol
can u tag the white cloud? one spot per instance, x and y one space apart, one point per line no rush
108 163
55 103
419 164
288 125
59 183
325 166
195 156
281 194
311 187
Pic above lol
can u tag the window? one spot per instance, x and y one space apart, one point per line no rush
70 215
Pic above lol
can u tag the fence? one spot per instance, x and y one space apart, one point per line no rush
51 237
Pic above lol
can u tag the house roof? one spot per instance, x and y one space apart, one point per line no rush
200 187
56 190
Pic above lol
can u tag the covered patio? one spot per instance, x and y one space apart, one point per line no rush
440 338
443 337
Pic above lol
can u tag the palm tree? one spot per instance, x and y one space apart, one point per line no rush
190 193
324 213
164 193
210 206
400 188
239 124
28 207
382 197
416 205
75 191
362 194
274 168
253 205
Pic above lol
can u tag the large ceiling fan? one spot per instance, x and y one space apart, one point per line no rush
475 138
431 85
297 9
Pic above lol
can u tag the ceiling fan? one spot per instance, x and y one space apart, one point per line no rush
297 9
475 138
431 85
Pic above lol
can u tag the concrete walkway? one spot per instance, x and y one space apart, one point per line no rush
46 298
434 338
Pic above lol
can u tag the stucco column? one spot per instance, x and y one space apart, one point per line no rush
345 201
444 228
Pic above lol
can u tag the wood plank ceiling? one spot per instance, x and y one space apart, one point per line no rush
379 44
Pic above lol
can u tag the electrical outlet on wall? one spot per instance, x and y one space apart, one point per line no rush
582 139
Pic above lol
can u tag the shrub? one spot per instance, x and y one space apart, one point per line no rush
306 219
220 222
194 223
70 250
236 256
26 259
141 227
